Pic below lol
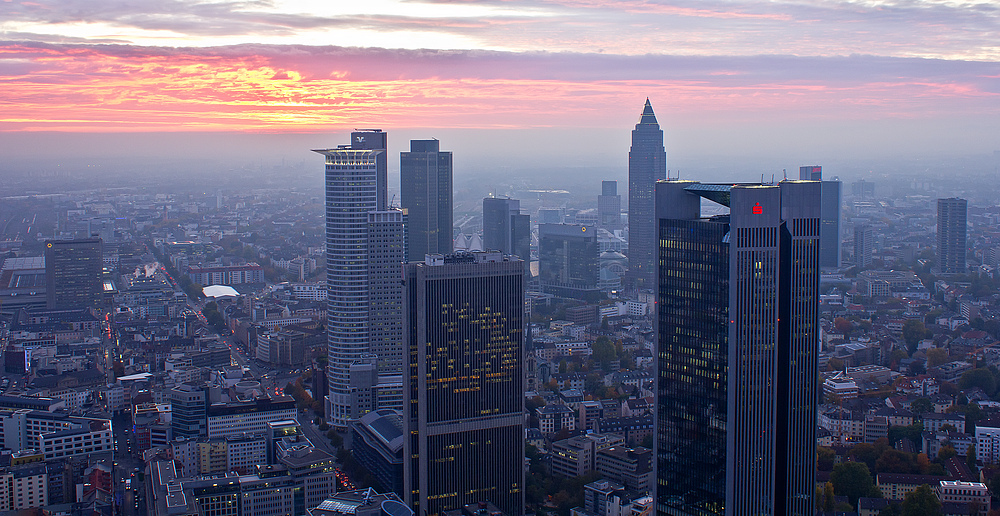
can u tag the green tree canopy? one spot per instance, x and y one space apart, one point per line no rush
921 406
853 480
603 351
936 357
979 377
921 502
913 332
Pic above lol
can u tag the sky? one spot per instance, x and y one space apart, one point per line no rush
801 78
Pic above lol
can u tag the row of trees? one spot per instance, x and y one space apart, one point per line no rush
854 480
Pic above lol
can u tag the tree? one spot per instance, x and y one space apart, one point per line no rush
913 332
921 502
946 452
843 326
936 357
835 364
895 461
912 432
534 403
970 458
921 406
853 480
979 377
867 453
603 352
891 510
824 458
828 497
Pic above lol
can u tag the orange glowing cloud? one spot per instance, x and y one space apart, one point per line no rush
305 89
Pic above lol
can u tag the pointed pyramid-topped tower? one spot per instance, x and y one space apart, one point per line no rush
648 117
647 163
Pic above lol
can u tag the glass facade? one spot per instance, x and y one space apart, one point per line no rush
693 317
569 260
737 332
351 193
464 407
73 273
425 181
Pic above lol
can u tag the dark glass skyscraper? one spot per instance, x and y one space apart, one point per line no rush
73 273
609 206
464 393
425 181
569 261
951 235
505 228
647 164
737 331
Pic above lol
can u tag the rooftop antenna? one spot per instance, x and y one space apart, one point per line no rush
772 179
785 173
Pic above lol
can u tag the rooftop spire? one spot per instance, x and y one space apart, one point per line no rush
647 114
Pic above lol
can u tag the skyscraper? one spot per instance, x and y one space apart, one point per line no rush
425 181
569 261
355 188
609 206
647 163
73 273
831 200
386 254
464 401
505 228
863 246
737 329
951 235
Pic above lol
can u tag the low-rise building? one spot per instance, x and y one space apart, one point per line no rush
633 467
555 417
965 493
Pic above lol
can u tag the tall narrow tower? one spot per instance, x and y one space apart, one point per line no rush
647 164
464 392
951 235
355 189
737 321
73 271
425 181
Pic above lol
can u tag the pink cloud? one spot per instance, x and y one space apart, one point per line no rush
299 89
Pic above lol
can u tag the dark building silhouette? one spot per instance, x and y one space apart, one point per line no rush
463 404
425 181
73 273
569 261
609 206
647 164
505 228
737 317
951 235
